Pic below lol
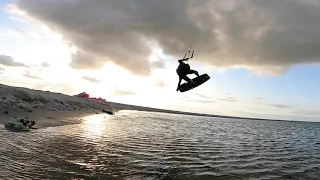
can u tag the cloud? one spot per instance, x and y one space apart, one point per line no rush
17 19
42 86
122 92
197 100
45 64
2 69
91 79
160 83
84 60
9 61
158 64
205 101
228 98
202 96
308 112
28 74
285 116
12 32
262 36
282 106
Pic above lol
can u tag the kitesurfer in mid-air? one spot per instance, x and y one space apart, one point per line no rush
184 69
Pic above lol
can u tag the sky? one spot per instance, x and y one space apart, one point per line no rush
262 56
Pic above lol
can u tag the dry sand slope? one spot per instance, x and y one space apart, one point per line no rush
47 108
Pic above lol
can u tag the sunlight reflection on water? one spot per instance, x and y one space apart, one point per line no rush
94 126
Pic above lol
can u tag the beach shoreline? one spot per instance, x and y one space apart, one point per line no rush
50 109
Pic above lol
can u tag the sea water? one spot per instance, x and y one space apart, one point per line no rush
147 145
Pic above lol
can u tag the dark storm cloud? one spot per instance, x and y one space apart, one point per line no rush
261 35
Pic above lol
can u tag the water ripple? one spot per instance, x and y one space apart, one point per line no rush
141 145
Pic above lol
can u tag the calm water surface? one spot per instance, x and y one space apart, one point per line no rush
145 145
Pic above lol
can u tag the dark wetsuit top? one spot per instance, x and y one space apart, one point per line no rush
183 69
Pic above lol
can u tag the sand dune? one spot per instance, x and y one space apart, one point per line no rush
47 108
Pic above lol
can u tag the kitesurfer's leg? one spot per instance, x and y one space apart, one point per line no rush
180 79
185 77
193 72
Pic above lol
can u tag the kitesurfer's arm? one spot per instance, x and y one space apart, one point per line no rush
184 59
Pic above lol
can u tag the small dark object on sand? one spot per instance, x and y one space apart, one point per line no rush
108 112
20 124
5 112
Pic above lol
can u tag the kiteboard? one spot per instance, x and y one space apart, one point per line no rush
197 82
